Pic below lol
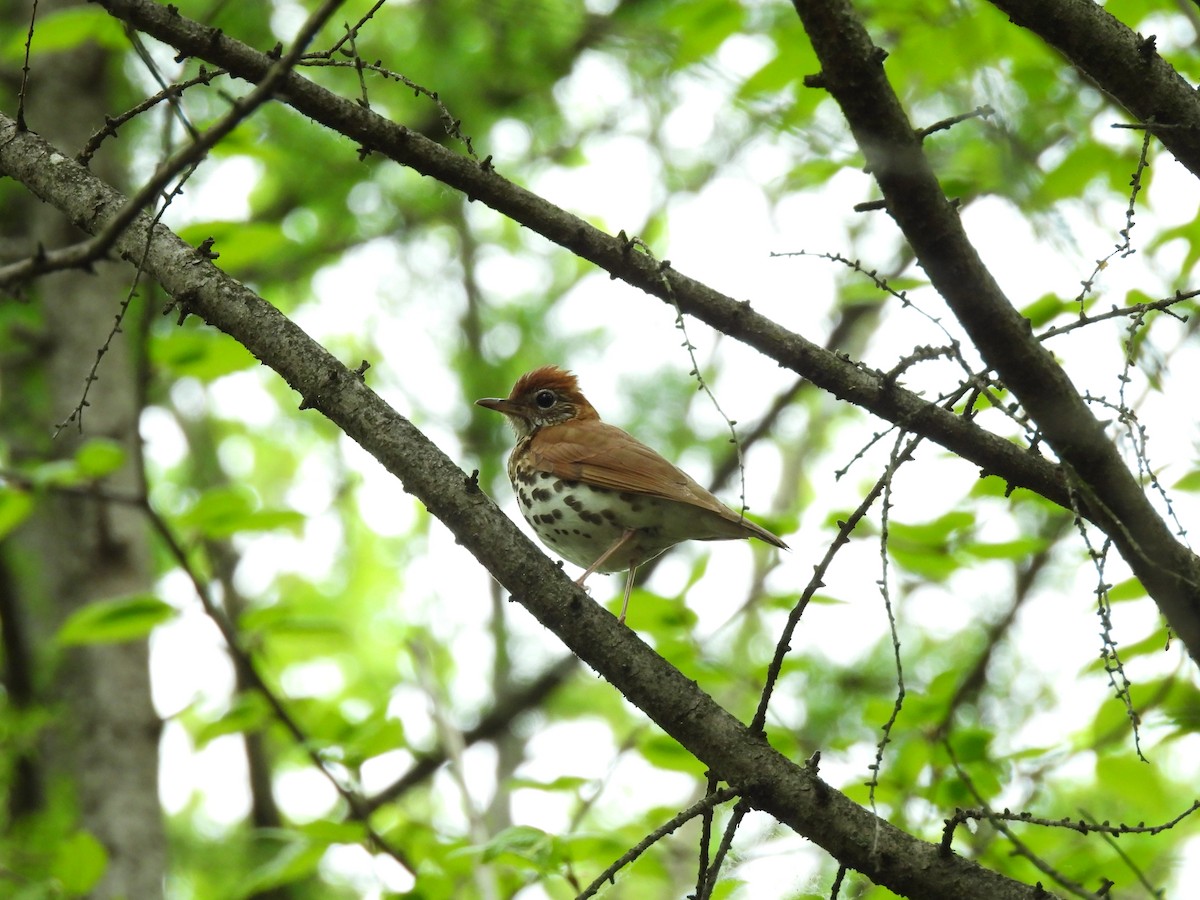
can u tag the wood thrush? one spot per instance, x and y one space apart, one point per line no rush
595 495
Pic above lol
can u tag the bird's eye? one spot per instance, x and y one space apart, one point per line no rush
545 399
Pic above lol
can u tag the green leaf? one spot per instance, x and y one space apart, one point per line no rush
522 844
15 506
242 245
1018 549
1189 482
378 735
55 473
726 887
1154 644
776 74
95 459
113 621
1132 778
80 862
1187 235
1129 589
790 599
200 353
326 831
666 753
67 29
972 745
295 858
934 531
823 599
700 28
568 783
225 511
519 839
246 714
316 631
99 457
1043 309
932 564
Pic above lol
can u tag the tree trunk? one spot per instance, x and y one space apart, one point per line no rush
78 547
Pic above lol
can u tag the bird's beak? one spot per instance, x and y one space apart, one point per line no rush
499 404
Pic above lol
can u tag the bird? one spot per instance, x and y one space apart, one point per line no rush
593 493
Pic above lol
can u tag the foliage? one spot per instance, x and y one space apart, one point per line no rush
950 659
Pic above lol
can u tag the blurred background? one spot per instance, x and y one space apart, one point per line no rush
494 765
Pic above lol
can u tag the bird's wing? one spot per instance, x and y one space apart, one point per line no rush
604 456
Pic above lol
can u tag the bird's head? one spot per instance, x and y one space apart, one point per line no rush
543 397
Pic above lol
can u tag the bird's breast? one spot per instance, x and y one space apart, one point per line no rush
580 522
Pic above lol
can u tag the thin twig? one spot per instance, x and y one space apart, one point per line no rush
1135 309
22 92
998 822
86 252
710 877
359 809
170 93
979 112
681 324
246 664
649 840
899 454
845 528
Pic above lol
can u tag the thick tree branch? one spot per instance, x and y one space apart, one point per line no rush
1122 63
1103 488
828 370
82 255
853 73
765 778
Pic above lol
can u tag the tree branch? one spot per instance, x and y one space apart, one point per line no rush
765 778
828 370
1120 62
853 73
82 255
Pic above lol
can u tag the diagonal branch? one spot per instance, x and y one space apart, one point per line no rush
765 778
478 181
1122 63
828 370
83 254
1110 495
853 73
1104 489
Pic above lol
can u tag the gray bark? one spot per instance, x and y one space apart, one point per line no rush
76 548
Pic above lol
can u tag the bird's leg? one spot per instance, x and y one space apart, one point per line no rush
628 590
604 557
